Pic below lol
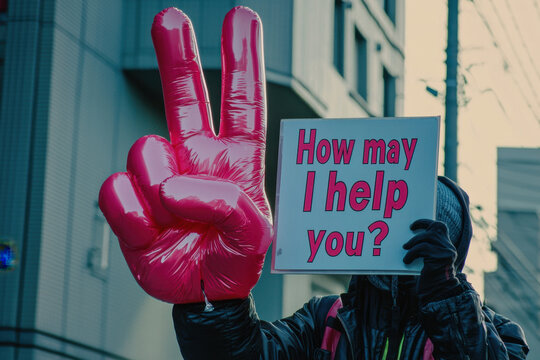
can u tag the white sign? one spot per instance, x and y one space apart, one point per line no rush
348 190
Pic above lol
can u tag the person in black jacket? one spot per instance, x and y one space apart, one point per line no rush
194 225
383 317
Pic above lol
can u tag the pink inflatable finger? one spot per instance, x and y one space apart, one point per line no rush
184 90
119 202
151 160
243 96
221 204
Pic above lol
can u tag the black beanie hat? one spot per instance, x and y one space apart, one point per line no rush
449 211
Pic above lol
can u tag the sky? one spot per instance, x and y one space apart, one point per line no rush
499 94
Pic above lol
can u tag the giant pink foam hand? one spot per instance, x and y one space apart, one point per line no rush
192 212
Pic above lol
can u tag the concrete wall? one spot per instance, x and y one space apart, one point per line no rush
331 94
22 137
83 115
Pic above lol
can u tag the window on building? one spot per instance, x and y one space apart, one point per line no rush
339 36
390 9
389 96
361 64
3 6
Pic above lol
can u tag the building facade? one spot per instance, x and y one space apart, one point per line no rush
513 289
79 84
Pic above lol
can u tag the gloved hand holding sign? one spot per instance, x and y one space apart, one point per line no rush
191 214
432 243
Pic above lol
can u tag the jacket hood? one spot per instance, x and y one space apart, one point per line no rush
462 244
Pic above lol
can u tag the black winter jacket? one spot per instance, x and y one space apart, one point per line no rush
457 324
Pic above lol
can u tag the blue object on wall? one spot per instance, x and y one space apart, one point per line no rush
7 257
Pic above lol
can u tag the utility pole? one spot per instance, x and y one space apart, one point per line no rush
451 112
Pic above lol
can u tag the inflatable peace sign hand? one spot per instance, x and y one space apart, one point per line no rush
191 214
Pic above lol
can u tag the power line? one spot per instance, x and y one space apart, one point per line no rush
496 43
521 37
498 98
537 7
486 90
504 57
518 58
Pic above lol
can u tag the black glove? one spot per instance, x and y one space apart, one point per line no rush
438 277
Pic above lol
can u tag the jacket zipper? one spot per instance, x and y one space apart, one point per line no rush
346 333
